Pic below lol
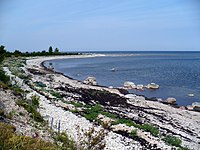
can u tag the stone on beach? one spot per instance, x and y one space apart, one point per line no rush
90 81
130 96
171 100
196 106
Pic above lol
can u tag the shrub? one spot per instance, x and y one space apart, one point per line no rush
171 140
35 101
3 78
91 139
67 143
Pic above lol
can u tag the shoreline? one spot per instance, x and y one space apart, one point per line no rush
60 94
124 90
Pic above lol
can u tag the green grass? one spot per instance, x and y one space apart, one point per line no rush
172 140
9 140
128 122
40 84
133 133
110 115
149 128
67 143
55 94
92 112
31 109
76 104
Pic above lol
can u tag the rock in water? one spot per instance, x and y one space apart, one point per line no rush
129 84
152 86
140 87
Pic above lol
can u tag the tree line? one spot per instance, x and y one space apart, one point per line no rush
18 53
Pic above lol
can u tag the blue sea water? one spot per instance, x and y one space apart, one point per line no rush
177 73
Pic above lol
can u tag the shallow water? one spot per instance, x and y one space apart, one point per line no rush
177 73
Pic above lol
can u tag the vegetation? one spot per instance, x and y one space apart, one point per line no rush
133 133
128 122
9 140
92 112
56 94
32 108
172 140
40 84
149 128
66 142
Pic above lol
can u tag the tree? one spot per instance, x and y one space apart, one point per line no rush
50 50
56 51
17 53
2 52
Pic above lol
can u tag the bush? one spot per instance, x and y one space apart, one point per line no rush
67 143
35 101
171 140
3 78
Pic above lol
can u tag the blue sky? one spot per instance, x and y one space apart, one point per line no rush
32 25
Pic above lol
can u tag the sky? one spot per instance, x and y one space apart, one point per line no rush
91 25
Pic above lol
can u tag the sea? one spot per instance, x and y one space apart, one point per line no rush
177 73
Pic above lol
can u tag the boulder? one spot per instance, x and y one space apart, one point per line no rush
90 81
121 127
196 106
189 107
129 85
171 100
104 119
140 87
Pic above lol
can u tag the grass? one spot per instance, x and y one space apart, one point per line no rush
110 115
172 140
9 140
146 127
40 84
128 122
149 128
55 94
76 104
31 109
67 143
92 112
133 133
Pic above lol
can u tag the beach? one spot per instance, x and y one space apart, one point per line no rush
61 95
